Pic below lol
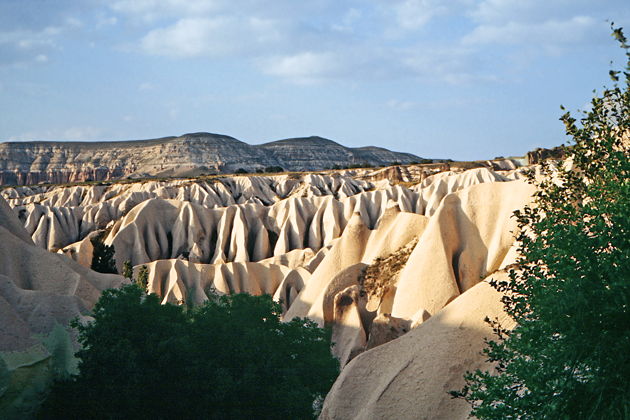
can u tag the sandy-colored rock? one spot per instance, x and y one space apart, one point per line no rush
56 217
179 281
40 292
408 378
467 238
385 328
306 240
358 244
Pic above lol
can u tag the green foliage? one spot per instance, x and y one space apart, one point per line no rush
230 358
127 270
143 278
103 256
568 355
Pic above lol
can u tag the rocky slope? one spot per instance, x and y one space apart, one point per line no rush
28 163
396 270
40 292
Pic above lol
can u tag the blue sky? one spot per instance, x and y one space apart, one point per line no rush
464 79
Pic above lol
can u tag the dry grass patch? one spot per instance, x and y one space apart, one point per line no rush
383 272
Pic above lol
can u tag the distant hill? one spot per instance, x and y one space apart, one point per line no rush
25 163
315 153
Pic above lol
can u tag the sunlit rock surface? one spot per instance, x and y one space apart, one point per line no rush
394 267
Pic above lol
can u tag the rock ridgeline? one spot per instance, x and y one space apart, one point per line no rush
28 163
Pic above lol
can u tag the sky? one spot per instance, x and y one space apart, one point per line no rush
460 79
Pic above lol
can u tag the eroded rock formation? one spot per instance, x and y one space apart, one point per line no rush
40 292
403 333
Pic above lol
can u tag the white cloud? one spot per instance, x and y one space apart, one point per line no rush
303 68
104 20
193 37
72 21
350 19
150 10
502 11
145 86
23 46
453 65
413 14
401 105
546 34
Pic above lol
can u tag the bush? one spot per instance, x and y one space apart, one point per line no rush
127 270
568 355
143 278
103 255
230 358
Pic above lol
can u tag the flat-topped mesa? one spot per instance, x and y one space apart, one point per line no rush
27 163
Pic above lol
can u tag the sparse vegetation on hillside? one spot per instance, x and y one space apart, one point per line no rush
230 358
570 296
382 273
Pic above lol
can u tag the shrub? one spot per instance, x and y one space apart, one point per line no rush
231 358
568 355
103 255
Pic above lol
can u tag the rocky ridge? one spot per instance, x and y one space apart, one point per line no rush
29 163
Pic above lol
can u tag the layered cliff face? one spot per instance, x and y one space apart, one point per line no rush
394 269
28 163
316 153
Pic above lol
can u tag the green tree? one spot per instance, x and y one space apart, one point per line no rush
143 277
127 270
103 255
230 358
568 357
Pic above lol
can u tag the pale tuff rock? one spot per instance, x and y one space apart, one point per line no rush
40 292
83 209
304 240
467 238
179 281
12 224
409 378
435 187
385 328
82 251
349 329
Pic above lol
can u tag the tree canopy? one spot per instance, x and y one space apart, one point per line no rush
568 357
229 358
103 259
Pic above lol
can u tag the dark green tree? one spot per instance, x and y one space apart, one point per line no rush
143 277
231 358
103 255
568 357
127 270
